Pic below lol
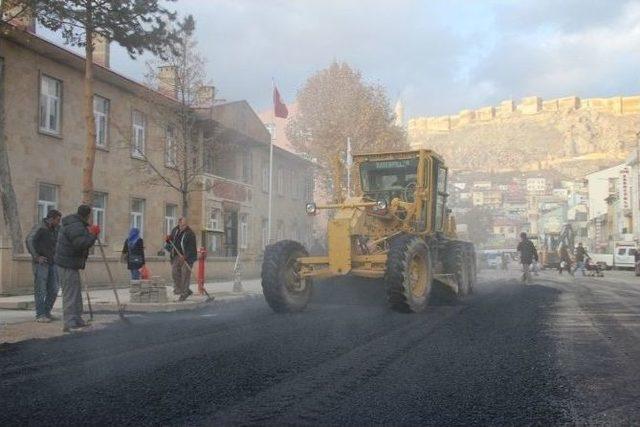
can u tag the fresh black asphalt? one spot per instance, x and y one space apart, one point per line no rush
506 355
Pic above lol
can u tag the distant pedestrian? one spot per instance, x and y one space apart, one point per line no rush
75 238
636 258
45 276
181 244
528 255
133 253
581 257
565 260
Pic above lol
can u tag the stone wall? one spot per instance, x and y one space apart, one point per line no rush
16 276
527 106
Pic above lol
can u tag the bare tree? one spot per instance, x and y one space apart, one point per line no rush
335 104
182 161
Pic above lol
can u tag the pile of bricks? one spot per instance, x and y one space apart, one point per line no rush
148 291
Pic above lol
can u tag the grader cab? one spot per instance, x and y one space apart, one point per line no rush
396 228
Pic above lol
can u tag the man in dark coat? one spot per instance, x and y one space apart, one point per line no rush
45 276
75 239
182 246
581 258
528 254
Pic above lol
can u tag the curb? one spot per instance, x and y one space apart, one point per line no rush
112 308
17 305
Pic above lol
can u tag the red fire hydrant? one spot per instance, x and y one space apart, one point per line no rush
202 260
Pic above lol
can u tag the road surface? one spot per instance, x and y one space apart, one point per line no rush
558 351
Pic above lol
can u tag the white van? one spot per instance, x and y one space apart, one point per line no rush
624 255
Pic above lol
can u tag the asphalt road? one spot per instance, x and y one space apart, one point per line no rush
558 351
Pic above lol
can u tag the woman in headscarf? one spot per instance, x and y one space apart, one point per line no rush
133 253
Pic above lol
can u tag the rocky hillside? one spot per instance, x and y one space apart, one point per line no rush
573 141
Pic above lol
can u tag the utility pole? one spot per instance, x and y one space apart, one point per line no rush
272 141
349 164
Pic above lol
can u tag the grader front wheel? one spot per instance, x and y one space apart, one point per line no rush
409 274
283 288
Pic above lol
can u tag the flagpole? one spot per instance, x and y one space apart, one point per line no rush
271 141
349 162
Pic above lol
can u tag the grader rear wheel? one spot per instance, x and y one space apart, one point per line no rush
409 274
283 288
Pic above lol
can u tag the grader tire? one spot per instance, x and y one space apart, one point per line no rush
409 274
457 263
281 288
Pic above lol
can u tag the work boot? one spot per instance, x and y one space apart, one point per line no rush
80 323
185 295
52 317
43 319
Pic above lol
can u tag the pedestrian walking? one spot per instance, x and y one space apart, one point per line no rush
528 255
75 238
133 253
181 244
45 289
581 257
565 260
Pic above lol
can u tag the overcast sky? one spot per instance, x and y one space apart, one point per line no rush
438 56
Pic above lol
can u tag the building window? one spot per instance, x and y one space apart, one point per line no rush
170 149
280 182
50 104
208 159
213 243
101 116
170 218
265 232
138 143
214 220
137 214
99 211
244 231
47 199
265 177
247 167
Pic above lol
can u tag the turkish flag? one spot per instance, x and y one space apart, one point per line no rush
279 107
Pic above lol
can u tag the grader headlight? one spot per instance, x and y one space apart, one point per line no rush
311 208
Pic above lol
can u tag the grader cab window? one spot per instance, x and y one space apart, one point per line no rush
389 178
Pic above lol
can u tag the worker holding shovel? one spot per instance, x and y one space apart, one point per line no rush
182 246
75 238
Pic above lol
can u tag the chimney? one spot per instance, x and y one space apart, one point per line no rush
101 50
19 15
167 81
205 96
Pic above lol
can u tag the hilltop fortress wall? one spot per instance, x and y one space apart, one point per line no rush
527 106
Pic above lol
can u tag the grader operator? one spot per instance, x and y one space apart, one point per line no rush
396 228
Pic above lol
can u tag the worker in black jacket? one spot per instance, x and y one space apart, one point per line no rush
75 238
182 246
528 254
45 289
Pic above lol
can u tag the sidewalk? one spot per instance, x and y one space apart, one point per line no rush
17 312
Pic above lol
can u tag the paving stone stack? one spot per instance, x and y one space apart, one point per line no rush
148 291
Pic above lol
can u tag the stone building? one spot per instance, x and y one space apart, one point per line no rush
45 134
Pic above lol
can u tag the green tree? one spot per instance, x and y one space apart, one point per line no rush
137 25
335 104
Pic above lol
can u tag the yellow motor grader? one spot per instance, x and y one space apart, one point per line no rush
397 228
